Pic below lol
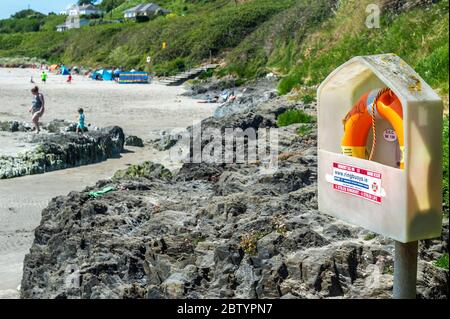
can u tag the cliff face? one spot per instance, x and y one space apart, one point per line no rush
215 231
64 150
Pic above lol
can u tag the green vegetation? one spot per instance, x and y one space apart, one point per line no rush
304 129
297 117
279 224
419 36
308 98
445 167
442 262
293 116
249 242
207 74
275 45
15 62
370 236
302 41
84 2
388 270
146 169
210 27
26 21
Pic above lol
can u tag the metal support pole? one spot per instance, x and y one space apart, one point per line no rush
405 270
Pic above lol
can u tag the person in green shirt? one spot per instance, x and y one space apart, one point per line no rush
44 77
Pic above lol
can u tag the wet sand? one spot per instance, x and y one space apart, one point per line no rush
139 109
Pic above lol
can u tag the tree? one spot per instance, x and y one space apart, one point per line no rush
26 14
109 5
82 2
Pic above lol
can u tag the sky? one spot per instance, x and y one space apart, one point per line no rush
9 7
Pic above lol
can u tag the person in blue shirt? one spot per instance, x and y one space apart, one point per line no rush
80 127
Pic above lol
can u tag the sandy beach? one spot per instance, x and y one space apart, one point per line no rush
140 110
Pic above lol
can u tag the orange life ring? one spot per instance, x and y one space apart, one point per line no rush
360 119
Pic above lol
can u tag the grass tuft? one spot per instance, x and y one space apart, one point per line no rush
442 262
294 116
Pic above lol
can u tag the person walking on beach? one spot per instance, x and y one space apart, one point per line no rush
44 77
69 79
80 126
37 108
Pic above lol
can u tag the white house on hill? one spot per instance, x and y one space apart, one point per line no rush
145 10
87 9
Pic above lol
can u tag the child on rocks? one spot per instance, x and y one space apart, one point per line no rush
80 127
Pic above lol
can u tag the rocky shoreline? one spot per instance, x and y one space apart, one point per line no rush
58 147
216 231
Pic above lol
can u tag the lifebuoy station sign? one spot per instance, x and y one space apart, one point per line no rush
380 148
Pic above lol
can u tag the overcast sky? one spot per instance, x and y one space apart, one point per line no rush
9 7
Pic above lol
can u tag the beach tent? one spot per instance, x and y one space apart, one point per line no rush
54 67
133 77
103 74
64 70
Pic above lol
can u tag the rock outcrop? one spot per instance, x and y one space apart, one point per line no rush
54 126
64 150
215 231
134 141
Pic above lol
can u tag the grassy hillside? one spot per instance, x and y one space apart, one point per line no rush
305 50
419 36
300 40
215 27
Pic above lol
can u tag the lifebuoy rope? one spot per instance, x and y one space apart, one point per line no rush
374 127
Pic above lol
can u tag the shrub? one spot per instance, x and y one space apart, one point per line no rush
370 236
206 74
442 262
308 98
146 170
304 130
249 242
293 116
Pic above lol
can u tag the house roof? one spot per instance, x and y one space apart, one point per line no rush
147 7
82 7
